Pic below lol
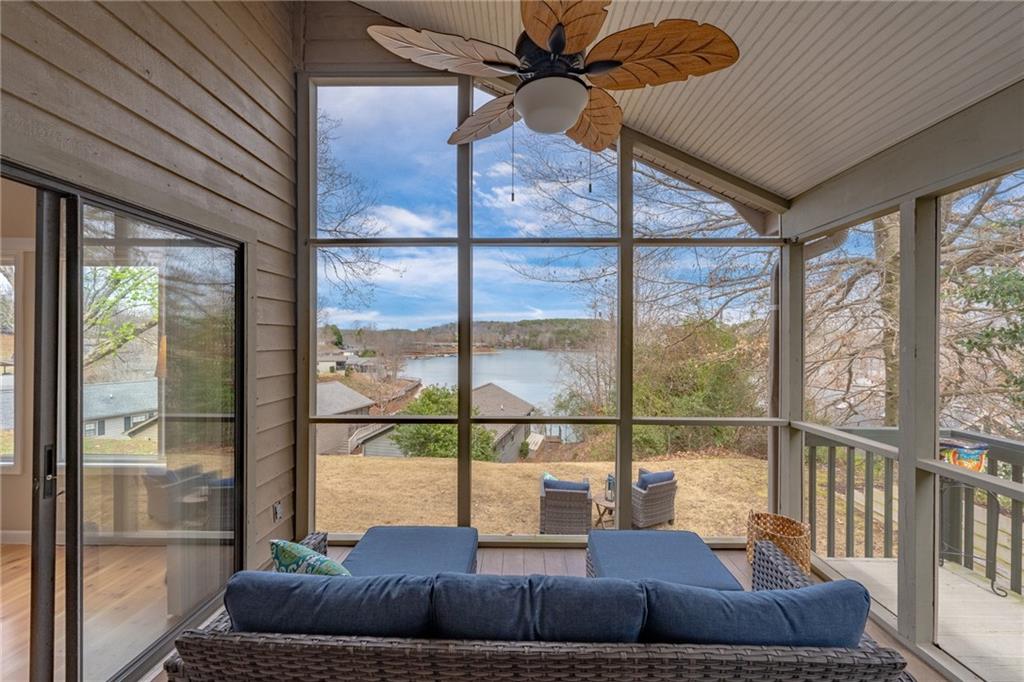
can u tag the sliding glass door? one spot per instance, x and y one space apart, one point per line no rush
154 430
121 431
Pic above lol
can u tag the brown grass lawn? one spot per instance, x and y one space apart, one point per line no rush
354 492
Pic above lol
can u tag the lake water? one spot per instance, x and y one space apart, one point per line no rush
533 375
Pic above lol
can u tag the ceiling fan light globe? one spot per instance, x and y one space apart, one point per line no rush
551 104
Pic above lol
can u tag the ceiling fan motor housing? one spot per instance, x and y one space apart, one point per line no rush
536 61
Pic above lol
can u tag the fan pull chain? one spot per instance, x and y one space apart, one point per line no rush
590 171
590 152
513 159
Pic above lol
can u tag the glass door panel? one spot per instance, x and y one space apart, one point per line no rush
159 434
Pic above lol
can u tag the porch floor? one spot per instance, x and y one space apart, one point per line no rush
982 630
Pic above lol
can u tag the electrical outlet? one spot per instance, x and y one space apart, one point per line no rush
278 509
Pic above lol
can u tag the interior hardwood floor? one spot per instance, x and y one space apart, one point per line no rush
125 607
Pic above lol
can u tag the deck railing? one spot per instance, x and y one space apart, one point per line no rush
861 464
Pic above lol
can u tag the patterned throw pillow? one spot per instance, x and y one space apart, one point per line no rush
291 557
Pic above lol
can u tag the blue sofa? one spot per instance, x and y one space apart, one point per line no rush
458 626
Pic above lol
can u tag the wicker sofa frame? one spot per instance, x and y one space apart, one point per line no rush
564 512
214 652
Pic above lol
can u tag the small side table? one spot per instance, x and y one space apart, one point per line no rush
605 511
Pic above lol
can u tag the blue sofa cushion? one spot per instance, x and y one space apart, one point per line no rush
538 608
827 615
557 484
413 550
378 606
673 556
645 480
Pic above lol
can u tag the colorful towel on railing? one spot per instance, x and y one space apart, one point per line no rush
964 453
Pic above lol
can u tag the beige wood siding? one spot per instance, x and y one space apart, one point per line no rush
335 42
187 109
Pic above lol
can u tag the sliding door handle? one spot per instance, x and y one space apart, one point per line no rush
50 479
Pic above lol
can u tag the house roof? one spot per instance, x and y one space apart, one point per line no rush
491 400
117 399
818 87
329 352
334 397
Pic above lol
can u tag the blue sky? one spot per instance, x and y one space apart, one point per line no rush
394 140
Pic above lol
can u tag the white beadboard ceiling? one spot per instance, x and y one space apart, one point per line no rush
819 87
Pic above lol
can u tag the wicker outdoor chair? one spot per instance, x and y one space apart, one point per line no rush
216 653
564 512
655 505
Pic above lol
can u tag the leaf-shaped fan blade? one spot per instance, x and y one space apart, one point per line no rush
673 50
582 21
489 119
445 52
598 126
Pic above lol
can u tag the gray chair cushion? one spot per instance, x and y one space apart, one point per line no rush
413 550
673 556
538 608
827 615
377 606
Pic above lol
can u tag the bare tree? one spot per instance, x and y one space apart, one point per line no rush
672 286
852 296
343 211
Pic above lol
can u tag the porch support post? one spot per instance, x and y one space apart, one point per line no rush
788 488
305 295
464 199
624 443
919 400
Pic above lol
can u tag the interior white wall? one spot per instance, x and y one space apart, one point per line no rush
17 231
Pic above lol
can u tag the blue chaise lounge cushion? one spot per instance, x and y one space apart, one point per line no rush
827 615
673 556
538 608
413 550
376 606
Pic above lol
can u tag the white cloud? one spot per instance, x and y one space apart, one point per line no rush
396 221
501 169
527 313
346 316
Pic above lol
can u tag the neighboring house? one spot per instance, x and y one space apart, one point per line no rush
115 408
490 400
368 365
333 398
330 359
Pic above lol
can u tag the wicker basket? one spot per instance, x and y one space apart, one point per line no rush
790 535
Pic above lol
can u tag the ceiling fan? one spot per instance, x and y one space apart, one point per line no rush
563 87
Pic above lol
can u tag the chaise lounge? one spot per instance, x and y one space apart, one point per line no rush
453 626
